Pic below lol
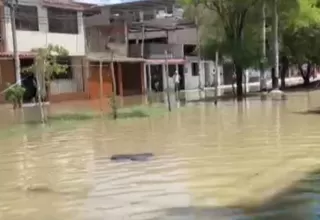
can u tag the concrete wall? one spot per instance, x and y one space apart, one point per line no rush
74 85
6 76
192 82
184 36
97 39
27 40
98 19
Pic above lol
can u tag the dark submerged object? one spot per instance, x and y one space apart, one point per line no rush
132 157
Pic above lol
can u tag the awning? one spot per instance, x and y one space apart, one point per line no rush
9 55
106 57
162 61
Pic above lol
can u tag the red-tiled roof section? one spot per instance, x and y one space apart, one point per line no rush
67 4
21 54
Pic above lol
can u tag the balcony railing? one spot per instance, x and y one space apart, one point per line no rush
156 51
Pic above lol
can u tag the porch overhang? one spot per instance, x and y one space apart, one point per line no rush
163 61
22 55
106 57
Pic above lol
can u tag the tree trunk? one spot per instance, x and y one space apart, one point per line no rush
284 71
274 78
305 76
239 73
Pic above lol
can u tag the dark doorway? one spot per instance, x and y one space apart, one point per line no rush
181 73
131 79
29 81
156 78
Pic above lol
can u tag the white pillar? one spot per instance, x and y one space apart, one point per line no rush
247 81
145 76
149 77
218 71
164 77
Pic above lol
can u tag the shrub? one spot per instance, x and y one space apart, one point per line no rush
14 94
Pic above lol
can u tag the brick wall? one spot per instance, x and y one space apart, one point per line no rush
6 75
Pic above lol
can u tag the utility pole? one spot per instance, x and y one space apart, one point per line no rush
199 51
12 5
275 45
263 84
216 79
167 79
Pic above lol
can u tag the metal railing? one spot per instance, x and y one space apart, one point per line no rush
156 51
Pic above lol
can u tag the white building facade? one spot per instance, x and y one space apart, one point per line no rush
40 23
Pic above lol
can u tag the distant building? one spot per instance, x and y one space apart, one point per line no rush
121 26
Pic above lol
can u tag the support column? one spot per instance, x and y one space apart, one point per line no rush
120 82
145 71
149 77
218 72
86 73
142 74
247 81
165 84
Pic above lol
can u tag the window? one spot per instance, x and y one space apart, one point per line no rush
62 21
195 69
68 74
27 18
169 9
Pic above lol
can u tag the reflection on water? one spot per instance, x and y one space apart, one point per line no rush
250 160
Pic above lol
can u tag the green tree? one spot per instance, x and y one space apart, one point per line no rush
46 64
300 38
233 34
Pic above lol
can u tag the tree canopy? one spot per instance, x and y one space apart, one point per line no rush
234 27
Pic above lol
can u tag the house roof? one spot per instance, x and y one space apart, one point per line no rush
142 5
67 4
130 5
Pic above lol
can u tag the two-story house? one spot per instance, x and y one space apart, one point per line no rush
153 28
38 24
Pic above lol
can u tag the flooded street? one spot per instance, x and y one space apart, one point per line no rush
250 160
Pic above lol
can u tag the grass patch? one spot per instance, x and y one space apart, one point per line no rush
140 112
67 121
78 116
124 113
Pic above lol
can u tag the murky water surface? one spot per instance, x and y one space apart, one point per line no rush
252 160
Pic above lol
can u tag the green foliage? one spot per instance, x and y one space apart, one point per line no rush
302 45
232 26
46 60
14 94
300 35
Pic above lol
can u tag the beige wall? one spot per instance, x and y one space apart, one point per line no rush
184 36
76 84
27 40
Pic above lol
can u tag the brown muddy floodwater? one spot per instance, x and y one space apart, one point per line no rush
252 160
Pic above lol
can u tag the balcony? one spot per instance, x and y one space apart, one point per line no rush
156 51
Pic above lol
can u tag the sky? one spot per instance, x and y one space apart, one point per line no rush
105 2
